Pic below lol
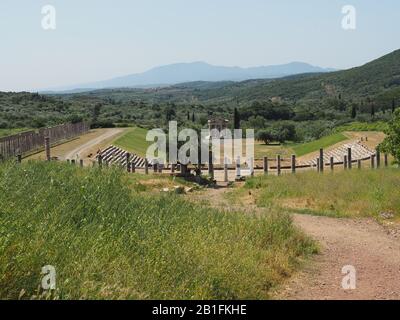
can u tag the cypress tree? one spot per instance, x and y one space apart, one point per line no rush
353 112
236 119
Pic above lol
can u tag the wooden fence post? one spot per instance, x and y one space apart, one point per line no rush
345 162
128 164
73 162
278 164
155 167
19 158
210 164
100 160
47 148
184 169
321 160
386 160
373 161
172 167
133 167
251 167
359 163
332 163
265 165
146 166
318 165
349 158
238 175
293 163
378 158
226 179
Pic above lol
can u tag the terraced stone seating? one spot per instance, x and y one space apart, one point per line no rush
359 151
117 156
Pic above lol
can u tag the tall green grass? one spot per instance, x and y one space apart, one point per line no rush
343 194
107 241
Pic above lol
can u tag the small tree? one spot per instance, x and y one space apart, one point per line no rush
391 144
265 135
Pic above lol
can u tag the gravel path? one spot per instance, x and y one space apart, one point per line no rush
372 249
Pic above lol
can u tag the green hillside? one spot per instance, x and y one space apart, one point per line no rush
313 104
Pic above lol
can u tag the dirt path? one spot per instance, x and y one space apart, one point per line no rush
82 146
82 150
372 249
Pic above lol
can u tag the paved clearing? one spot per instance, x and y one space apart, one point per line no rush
374 251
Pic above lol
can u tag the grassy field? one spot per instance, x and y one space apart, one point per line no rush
134 141
107 239
263 150
304 148
355 193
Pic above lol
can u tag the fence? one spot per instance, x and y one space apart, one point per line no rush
349 159
25 142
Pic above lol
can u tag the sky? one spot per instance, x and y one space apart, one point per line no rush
98 39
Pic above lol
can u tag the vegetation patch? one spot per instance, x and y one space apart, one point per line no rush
355 193
107 241
363 126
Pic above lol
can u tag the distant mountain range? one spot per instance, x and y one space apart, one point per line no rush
378 80
196 71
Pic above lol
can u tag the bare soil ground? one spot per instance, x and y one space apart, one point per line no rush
84 147
373 250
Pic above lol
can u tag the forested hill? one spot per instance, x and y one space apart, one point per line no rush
360 94
379 79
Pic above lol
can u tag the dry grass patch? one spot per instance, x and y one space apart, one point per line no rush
352 193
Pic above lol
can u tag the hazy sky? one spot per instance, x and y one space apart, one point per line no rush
99 39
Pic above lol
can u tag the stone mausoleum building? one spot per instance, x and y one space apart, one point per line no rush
217 123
